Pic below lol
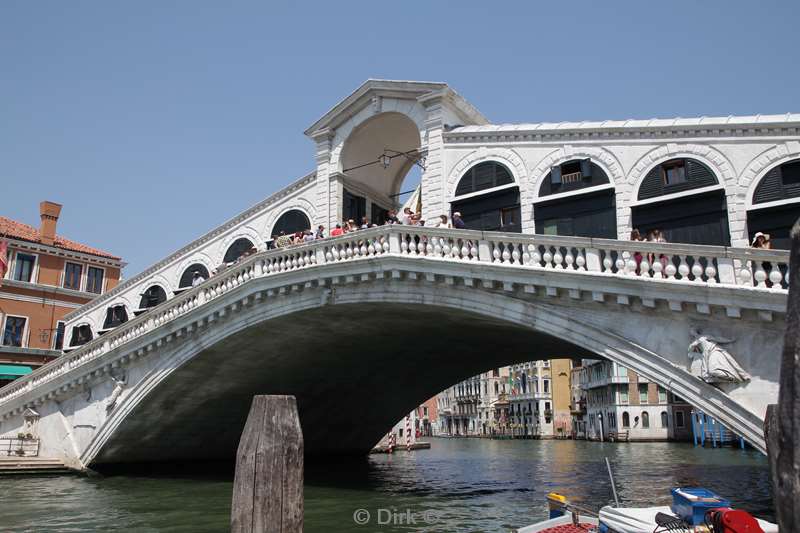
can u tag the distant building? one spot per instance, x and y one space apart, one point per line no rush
48 276
527 400
578 402
623 405
427 416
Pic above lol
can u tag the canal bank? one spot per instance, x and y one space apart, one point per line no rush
458 485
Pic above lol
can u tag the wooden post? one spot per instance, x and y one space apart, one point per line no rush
268 485
783 423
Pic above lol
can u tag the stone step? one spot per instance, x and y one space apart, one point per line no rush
33 465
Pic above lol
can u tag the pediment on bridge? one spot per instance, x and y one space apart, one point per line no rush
372 91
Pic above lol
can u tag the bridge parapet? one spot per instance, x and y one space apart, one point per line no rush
760 274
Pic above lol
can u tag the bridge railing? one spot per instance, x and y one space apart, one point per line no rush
758 270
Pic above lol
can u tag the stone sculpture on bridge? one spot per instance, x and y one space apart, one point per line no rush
711 362
119 386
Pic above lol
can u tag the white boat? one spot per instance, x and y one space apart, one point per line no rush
688 513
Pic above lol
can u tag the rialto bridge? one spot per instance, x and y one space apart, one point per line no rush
363 327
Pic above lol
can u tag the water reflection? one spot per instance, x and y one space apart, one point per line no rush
467 485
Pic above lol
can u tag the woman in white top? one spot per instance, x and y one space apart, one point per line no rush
443 222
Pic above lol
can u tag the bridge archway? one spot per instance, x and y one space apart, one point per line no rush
289 222
375 159
200 392
188 274
237 249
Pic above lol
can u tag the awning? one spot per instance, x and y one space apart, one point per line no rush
14 371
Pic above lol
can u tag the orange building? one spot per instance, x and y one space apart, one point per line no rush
46 277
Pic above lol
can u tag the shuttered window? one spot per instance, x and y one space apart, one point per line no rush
676 175
483 176
780 183
152 297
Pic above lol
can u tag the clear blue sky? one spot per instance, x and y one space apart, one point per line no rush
154 121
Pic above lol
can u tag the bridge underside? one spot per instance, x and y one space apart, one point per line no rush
355 370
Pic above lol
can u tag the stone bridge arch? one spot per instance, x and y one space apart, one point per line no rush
162 413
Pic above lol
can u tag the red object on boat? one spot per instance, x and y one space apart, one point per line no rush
735 521
569 528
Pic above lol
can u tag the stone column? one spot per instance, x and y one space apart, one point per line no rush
325 201
433 202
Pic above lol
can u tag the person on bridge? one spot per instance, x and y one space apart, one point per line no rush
197 278
458 223
320 232
391 218
443 222
761 240
337 231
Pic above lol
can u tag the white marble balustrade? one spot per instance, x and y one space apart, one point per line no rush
759 270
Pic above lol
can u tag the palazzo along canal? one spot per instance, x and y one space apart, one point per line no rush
459 485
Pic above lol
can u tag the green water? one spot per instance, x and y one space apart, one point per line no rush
459 485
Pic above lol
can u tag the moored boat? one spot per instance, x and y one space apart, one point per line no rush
693 510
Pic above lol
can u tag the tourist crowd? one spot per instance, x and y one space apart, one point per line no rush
407 217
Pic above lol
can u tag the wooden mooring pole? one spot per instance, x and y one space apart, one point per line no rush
268 485
782 423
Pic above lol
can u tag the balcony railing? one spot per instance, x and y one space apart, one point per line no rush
756 270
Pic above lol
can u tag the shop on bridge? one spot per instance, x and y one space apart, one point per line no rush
776 204
488 199
685 200
577 199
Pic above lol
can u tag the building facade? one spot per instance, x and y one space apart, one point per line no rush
47 277
621 405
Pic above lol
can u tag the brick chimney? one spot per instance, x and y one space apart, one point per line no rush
49 211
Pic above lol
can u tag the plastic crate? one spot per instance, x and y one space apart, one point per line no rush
691 504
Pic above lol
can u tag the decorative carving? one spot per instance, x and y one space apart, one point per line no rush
119 386
711 362
31 418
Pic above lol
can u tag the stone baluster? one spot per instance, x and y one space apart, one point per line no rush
558 258
621 263
683 268
547 257
506 252
760 274
669 270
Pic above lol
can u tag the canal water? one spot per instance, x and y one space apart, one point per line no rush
459 485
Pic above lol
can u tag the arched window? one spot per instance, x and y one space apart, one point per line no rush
645 420
676 175
483 176
572 175
291 222
664 419
493 210
237 250
591 214
152 297
779 192
80 335
188 274
115 316
700 218
626 419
